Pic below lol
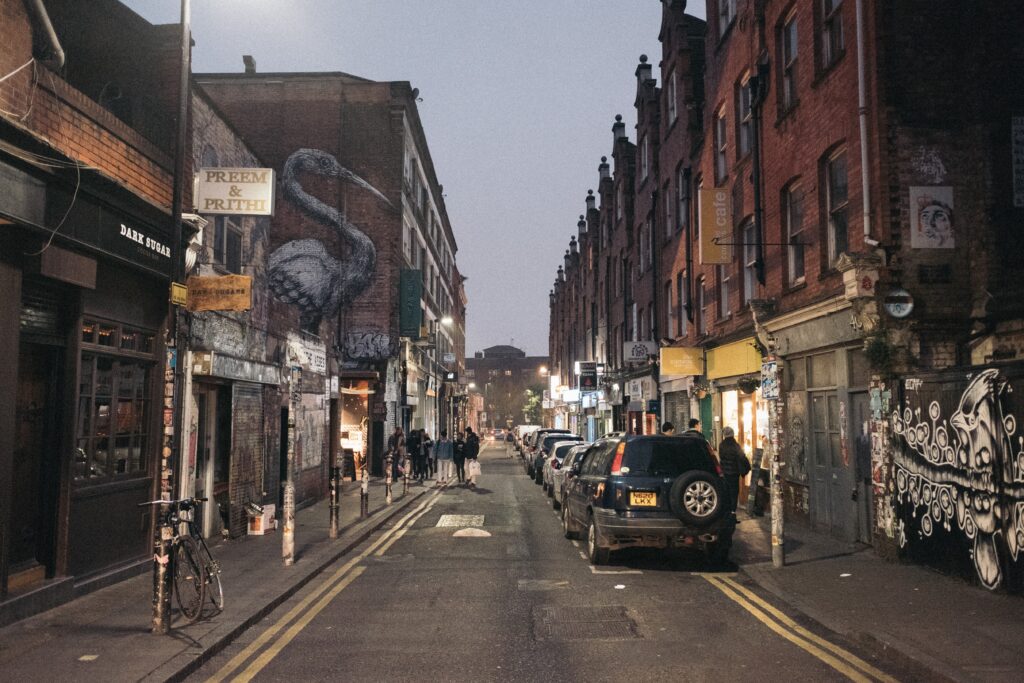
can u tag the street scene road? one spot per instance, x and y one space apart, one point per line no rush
479 584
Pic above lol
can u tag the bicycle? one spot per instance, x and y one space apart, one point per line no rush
196 575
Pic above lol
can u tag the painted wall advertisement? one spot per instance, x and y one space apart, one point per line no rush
770 380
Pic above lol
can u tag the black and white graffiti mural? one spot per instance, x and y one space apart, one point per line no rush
960 480
369 346
301 271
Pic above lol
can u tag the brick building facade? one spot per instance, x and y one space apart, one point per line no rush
795 187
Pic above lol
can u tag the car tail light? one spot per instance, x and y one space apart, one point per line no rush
617 462
554 463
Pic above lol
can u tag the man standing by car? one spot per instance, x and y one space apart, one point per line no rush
734 464
693 429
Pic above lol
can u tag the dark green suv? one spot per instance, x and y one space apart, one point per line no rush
649 491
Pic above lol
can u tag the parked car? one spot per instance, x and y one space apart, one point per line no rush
563 473
553 460
532 444
543 451
648 491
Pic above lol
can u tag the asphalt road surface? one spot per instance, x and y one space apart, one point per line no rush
480 585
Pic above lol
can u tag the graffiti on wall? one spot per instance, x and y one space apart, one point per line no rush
961 478
369 346
302 272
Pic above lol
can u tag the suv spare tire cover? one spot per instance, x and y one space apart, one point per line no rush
697 497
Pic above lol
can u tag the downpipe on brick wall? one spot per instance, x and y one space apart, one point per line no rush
288 514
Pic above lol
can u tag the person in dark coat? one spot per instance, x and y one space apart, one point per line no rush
459 457
693 429
412 448
472 451
734 465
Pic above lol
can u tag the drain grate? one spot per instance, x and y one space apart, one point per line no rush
583 622
461 520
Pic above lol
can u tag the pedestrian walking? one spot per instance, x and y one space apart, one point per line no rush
472 456
668 429
395 452
427 449
459 457
412 447
734 465
444 452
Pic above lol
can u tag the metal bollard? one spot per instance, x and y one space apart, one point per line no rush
335 505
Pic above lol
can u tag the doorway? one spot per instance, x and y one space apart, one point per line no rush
213 455
35 465
831 487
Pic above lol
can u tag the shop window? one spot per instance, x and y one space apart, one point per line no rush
113 419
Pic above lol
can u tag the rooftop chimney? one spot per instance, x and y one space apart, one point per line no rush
591 199
603 169
250 64
561 270
581 225
643 71
618 129
572 243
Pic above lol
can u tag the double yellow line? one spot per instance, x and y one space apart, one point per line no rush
843 661
299 616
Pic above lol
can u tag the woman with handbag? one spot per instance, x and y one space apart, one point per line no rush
734 465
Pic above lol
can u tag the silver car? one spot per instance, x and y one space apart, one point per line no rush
553 461
564 471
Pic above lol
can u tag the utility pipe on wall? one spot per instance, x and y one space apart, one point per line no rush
42 21
862 113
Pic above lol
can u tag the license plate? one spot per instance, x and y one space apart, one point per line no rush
648 498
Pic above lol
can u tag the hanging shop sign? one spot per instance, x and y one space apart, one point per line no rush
235 191
635 389
638 351
588 376
219 293
737 358
715 226
681 361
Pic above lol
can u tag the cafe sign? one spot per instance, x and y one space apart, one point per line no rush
220 293
235 191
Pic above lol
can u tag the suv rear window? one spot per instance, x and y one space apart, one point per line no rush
555 438
663 457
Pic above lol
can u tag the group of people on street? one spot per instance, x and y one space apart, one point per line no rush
731 456
448 460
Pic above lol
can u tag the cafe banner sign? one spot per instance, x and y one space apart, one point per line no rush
219 293
681 361
715 226
235 191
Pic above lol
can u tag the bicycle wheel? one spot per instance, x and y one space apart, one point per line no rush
189 578
215 588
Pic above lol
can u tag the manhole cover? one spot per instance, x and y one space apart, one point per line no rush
583 622
461 520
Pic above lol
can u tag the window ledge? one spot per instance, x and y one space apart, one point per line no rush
795 287
786 113
823 72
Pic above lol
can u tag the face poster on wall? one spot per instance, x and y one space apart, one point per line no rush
931 218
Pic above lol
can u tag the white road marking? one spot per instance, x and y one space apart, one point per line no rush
461 520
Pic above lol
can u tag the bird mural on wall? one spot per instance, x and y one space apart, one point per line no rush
302 272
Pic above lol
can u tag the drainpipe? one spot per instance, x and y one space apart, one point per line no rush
758 88
862 114
41 19
688 235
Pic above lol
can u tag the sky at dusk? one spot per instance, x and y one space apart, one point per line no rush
518 103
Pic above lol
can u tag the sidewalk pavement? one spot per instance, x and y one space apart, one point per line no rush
955 630
105 636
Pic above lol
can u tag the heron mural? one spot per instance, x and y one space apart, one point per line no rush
302 272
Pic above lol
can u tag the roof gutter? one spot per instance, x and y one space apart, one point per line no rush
41 20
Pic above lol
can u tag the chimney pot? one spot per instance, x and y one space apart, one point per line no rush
250 64
591 201
618 129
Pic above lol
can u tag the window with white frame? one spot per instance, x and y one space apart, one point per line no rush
789 57
724 281
744 118
227 243
750 240
670 96
721 144
832 41
793 208
838 206
726 15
